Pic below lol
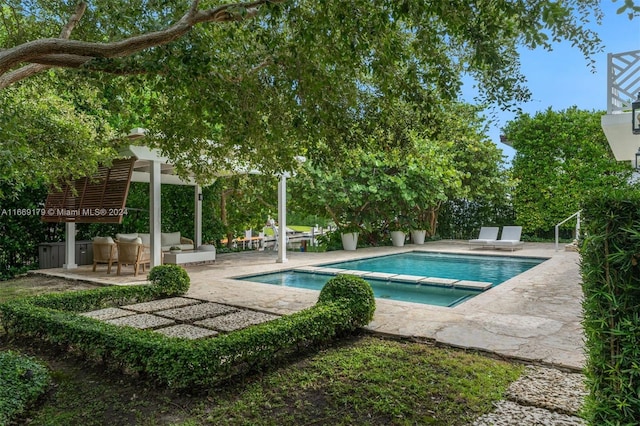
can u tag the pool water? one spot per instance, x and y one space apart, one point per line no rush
492 269
417 293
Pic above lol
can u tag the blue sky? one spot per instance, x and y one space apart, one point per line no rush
561 78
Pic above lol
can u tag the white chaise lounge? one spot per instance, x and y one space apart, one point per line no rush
488 236
510 238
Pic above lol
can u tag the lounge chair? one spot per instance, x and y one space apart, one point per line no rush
133 253
510 238
488 236
104 251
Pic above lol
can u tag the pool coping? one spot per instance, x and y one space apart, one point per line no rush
535 316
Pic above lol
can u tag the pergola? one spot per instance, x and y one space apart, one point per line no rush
152 167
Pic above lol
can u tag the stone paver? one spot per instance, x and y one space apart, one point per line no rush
141 321
195 312
160 304
186 331
108 313
549 388
509 413
236 320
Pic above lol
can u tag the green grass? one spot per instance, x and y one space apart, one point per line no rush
365 380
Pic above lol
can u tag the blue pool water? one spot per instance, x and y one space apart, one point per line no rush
417 293
493 269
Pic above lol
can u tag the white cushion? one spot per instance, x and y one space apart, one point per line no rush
127 237
182 247
170 239
146 239
103 240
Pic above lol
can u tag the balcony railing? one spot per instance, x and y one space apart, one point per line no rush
623 80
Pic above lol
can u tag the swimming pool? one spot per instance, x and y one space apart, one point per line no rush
493 269
422 277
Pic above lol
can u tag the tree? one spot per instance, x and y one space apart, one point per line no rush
277 78
561 159
385 182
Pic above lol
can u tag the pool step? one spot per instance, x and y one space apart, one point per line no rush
413 279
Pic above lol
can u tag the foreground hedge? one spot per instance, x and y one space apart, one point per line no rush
611 283
178 363
22 381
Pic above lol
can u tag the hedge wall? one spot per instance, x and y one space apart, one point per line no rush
181 363
611 282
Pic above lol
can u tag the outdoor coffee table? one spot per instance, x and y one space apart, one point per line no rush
190 256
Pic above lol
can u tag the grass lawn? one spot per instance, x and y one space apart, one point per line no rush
360 380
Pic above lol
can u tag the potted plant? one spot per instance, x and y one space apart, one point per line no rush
418 230
349 234
398 231
175 249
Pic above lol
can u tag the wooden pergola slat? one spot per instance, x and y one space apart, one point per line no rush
97 199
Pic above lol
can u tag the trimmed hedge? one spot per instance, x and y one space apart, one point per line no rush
354 291
22 381
171 280
178 363
611 283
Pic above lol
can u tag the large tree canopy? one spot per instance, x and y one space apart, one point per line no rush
256 83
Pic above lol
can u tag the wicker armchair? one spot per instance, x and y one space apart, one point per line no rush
133 253
105 250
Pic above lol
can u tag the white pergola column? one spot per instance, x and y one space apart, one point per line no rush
70 246
282 219
155 223
197 232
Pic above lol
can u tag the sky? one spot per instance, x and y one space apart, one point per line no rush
562 78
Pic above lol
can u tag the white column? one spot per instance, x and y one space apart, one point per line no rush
197 232
70 246
155 223
282 219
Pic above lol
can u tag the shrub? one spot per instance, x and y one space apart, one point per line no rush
22 381
357 294
180 363
611 284
170 280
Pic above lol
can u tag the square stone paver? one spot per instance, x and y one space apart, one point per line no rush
141 321
107 313
161 304
236 320
186 331
195 312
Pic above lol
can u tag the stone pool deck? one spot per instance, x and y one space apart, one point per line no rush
534 317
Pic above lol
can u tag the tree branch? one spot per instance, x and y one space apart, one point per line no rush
32 69
49 51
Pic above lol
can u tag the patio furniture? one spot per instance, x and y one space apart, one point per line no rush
167 240
105 250
488 236
133 253
510 238
192 256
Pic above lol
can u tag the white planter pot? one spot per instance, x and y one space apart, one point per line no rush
350 240
417 236
397 238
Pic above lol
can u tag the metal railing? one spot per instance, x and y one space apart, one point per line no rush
577 216
623 74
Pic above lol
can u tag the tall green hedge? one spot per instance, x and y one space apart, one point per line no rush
611 282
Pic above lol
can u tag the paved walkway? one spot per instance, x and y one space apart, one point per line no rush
533 317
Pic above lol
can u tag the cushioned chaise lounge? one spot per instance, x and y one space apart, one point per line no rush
510 238
488 236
